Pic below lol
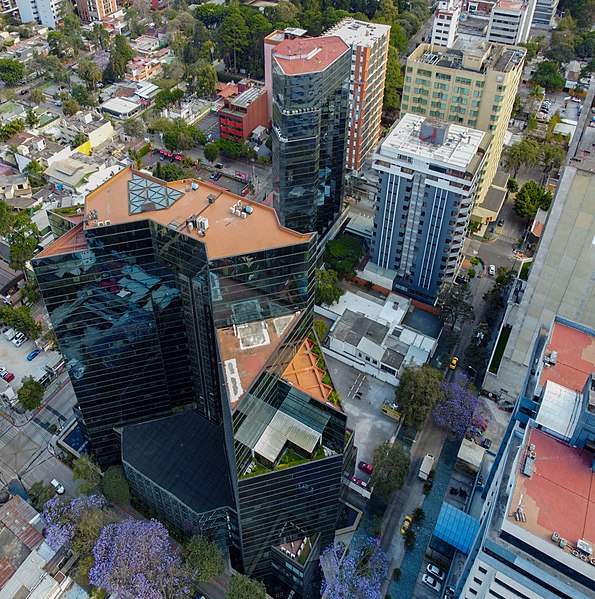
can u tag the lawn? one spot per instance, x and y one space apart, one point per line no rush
500 347
524 274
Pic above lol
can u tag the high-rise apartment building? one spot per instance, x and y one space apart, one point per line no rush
369 56
446 22
510 21
545 12
95 10
310 118
8 6
45 12
179 307
270 41
429 174
474 84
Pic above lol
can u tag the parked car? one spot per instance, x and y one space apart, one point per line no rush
436 572
453 363
492 270
215 176
367 468
406 524
58 486
219 165
8 376
18 341
487 443
501 222
431 582
359 482
33 355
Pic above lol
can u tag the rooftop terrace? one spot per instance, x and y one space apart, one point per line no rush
460 145
226 231
308 55
569 358
558 496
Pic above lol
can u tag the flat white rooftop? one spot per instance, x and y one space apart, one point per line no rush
460 144
358 33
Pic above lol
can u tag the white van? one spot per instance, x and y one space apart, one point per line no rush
10 334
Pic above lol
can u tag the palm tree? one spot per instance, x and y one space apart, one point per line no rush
551 157
513 158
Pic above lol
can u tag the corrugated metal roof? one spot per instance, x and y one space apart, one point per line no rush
284 428
17 515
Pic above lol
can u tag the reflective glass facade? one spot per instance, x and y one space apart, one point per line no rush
150 326
310 118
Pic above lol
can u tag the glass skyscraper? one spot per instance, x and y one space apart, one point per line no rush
178 307
310 118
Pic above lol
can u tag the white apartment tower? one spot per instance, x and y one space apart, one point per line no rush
510 21
45 12
446 22
369 56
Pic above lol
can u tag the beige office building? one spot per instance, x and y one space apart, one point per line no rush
474 84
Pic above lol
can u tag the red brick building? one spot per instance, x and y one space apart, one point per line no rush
242 113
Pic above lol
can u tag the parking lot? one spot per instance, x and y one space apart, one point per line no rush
363 415
14 359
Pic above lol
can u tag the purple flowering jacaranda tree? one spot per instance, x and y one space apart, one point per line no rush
455 407
356 573
73 522
135 559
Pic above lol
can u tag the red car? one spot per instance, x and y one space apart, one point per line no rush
8 376
367 468
359 482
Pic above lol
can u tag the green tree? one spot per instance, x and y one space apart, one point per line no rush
6 218
36 174
12 71
39 493
87 471
552 157
417 392
121 54
31 393
211 152
79 139
22 242
171 172
115 486
37 97
391 465
244 587
530 197
532 48
321 329
512 185
204 556
32 119
505 276
548 76
419 515
233 35
99 35
134 127
522 154
21 320
328 290
455 303
343 255
206 81
410 538
393 82
70 106
90 73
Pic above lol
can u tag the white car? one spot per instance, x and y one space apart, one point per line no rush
19 340
58 486
492 270
431 582
436 572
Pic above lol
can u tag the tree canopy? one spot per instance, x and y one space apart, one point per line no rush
455 406
530 198
417 392
455 303
244 587
115 486
343 255
391 465
328 290
204 557
357 572
31 393
12 71
87 471
548 75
